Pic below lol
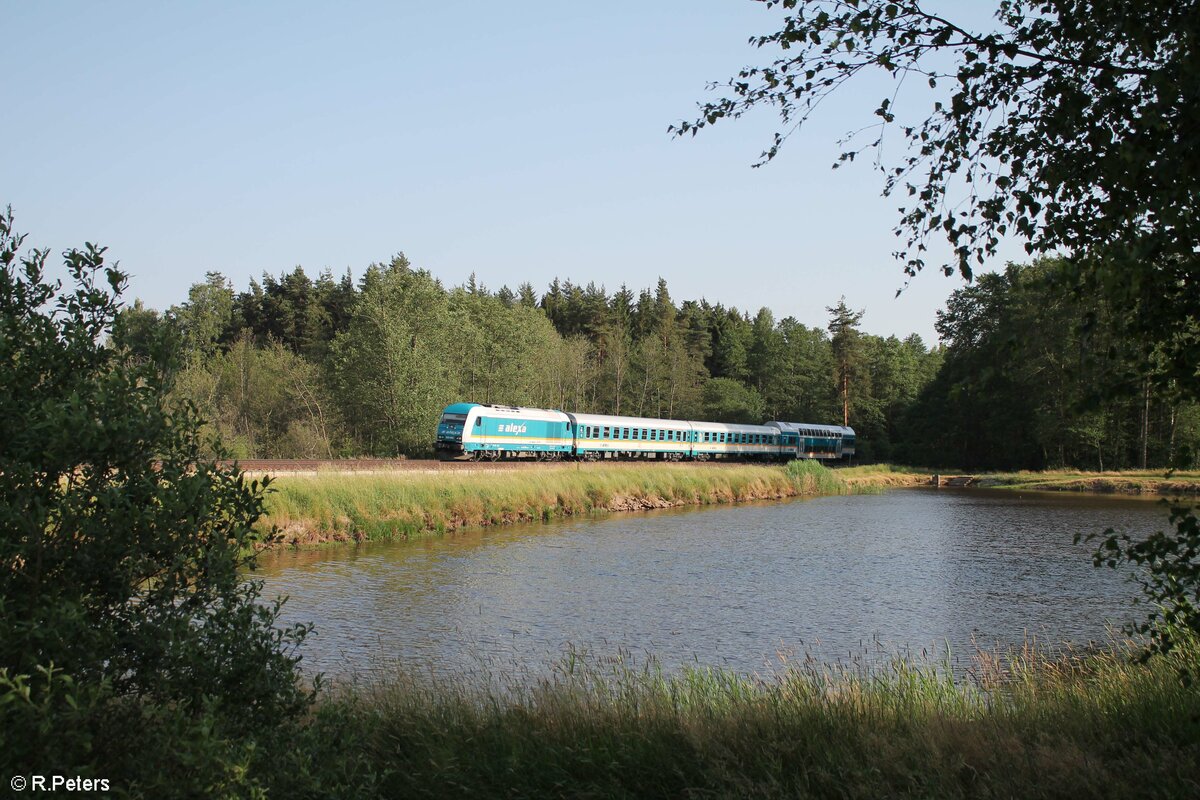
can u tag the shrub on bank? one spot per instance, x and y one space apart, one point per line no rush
133 647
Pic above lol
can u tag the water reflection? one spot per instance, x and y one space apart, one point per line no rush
732 587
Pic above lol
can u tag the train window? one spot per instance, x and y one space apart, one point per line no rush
654 435
625 433
605 432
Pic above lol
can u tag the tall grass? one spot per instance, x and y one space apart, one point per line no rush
813 477
1099 725
399 504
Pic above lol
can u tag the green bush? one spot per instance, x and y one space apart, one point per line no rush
132 640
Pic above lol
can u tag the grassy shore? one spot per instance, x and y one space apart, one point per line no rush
1098 725
1145 482
338 507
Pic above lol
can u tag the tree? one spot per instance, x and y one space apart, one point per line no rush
846 340
727 400
123 551
1068 124
393 366
1093 96
205 316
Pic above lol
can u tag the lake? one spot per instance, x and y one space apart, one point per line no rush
740 587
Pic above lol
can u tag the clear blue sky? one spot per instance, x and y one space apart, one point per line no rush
520 141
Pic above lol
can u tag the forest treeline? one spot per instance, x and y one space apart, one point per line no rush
297 366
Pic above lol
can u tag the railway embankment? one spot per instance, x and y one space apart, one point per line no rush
317 508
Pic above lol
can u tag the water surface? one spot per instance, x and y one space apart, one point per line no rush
734 586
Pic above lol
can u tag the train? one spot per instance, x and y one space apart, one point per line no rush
485 431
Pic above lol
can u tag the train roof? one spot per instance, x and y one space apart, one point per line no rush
796 427
640 422
519 412
459 408
729 427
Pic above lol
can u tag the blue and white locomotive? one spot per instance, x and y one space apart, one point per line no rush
495 432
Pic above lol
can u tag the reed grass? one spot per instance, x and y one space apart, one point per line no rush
1027 724
369 506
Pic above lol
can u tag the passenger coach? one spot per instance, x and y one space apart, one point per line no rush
812 441
721 440
598 436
